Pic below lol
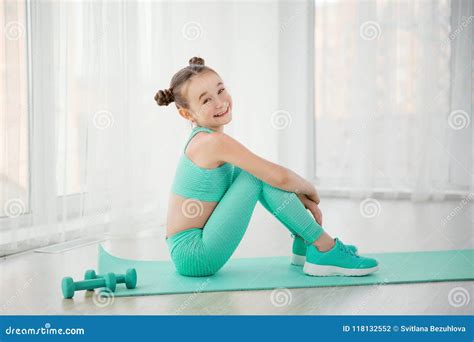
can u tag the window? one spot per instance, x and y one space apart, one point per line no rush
383 85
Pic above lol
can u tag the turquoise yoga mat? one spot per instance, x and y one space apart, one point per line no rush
160 277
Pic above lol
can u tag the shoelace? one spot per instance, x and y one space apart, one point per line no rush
345 249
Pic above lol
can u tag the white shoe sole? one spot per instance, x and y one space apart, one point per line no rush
325 270
298 260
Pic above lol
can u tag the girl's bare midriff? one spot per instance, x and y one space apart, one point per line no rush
185 213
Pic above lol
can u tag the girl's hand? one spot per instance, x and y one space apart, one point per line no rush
313 207
313 196
309 191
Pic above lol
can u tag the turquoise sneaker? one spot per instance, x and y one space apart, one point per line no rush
298 257
339 260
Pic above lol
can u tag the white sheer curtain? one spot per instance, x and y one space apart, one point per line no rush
100 155
85 150
393 98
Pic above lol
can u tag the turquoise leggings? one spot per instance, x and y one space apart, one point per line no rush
199 252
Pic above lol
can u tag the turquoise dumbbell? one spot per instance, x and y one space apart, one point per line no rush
129 278
69 286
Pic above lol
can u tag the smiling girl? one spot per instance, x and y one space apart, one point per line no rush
218 182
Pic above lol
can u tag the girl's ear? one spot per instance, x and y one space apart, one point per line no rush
185 114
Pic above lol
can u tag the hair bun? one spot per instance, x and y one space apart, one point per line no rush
164 97
196 61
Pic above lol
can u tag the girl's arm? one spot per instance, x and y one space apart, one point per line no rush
224 148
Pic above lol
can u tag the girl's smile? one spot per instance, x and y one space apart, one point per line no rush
221 114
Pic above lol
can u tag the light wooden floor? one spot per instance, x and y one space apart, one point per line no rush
31 281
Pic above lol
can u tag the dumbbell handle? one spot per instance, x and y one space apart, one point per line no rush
89 284
119 278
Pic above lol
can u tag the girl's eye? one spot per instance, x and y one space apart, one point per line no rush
206 100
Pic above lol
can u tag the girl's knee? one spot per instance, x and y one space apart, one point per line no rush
243 175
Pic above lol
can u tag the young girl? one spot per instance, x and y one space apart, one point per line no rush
218 182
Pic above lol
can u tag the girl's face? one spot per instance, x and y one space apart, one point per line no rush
210 103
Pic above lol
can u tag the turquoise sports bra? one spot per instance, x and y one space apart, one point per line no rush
199 183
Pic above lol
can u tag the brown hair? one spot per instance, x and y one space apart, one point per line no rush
166 96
